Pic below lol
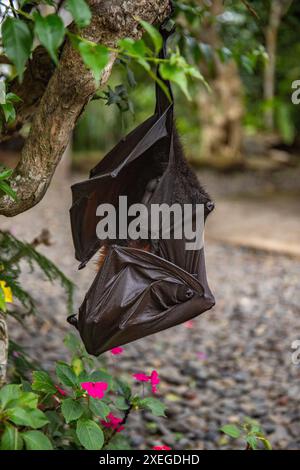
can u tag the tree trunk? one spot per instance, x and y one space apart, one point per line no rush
220 111
277 10
221 114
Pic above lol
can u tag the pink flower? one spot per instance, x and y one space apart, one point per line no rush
112 422
141 377
116 351
95 389
153 379
201 355
61 391
189 324
161 448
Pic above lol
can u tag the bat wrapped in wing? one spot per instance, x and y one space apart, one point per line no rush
148 284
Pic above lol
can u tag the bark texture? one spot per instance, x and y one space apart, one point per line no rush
71 86
278 9
3 348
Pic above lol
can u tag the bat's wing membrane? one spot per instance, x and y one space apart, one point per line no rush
115 175
137 294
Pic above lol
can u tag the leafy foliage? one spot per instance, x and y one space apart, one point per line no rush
19 415
80 12
17 42
250 432
25 27
50 31
12 252
95 57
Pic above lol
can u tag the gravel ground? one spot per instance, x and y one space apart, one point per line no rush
235 361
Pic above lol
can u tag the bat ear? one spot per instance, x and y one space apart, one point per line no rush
72 319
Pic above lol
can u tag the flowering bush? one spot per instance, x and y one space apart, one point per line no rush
82 406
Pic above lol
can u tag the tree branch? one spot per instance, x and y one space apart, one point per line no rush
3 348
68 91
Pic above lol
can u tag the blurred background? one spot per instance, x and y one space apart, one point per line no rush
241 135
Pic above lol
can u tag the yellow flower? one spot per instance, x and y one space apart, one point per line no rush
7 292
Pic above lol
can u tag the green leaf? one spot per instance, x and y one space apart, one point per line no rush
154 405
231 430
8 393
98 408
6 174
71 409
9 112
56 421
176 74
121 403
8 190
100 376
195 73
66 375
252 441
72 342
51 32
266 443
255 429
23 417
80 12
2 300
97 376
94 56
247 63
77 365
25 400
17 41
122 388
36 440
13 98
118 442
154 34
285 123
89 434
42 382
11 439
137 49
